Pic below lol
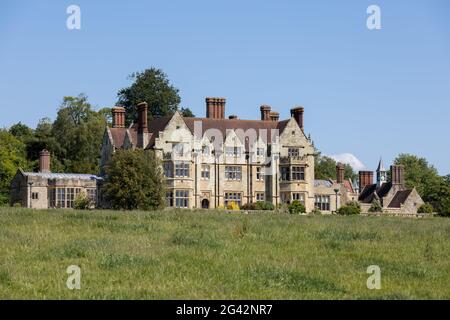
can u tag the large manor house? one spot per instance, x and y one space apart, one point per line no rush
212 161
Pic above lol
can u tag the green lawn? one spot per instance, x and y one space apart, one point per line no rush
215 255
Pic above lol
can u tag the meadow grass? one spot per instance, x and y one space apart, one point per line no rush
217 255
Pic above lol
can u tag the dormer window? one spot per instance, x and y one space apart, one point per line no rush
260 152
205 150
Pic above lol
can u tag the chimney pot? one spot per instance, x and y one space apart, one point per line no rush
274 116
297 114
265 112
44 161
340 172
118 115
215 108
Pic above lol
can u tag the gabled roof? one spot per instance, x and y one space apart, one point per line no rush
323 183
400 198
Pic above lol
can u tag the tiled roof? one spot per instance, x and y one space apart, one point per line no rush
367 193
399 198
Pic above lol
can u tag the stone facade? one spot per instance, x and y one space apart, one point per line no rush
209 162
43 189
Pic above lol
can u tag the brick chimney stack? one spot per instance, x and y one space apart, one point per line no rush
44 161
265 112
398 175
118 115
215 108
297 114
274 116
340 170
365 179
142 109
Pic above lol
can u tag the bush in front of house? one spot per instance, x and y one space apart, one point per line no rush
351 208
82 202
296 207
233 206
425 208
376 206
260 205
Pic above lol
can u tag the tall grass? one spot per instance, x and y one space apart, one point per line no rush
214 255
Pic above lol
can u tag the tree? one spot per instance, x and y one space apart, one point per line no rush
12 157
134 180
43 139
375 206
433 188
21 131
79 131
153 87
186 112
325 168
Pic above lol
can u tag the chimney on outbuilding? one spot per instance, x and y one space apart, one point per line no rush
340 170
215 108
44 161
265 112
398 175
118 117
142 129
297 114
365 179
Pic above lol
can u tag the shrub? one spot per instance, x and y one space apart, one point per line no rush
316 212
260 205
233 206
296 207
425 208
82 202
376 206
351 208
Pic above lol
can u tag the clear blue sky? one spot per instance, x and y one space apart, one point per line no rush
369 93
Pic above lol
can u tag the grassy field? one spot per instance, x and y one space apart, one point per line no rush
213 255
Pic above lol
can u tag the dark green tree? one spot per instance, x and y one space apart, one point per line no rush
153 87
12 157
434 189
134 181
79 130
43 139
186 112
21 131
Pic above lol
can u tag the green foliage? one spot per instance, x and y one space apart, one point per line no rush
79 131
351 208
376 206
21 131
325 168
134 180
296 207
316 212
186 112
425 208
153 87
433 188
260 205
82 202
12 157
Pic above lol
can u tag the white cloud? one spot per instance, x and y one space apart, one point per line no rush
350 159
